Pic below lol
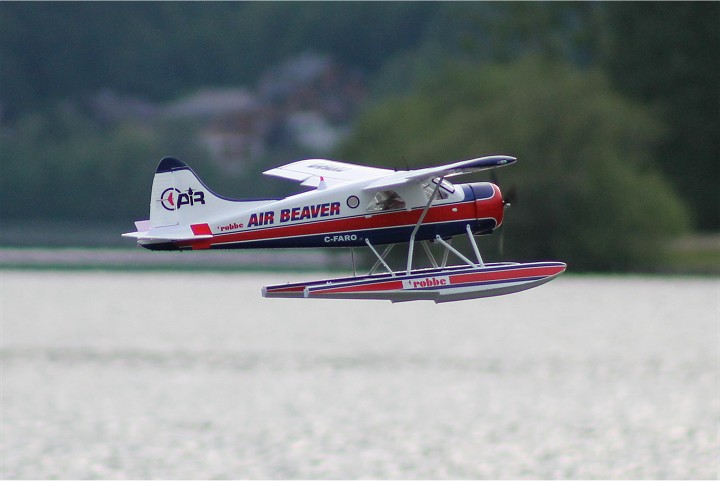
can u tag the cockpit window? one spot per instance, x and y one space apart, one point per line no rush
446 188
386 200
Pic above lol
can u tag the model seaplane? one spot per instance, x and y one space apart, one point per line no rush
350 206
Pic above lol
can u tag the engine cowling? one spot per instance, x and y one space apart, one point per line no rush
489 205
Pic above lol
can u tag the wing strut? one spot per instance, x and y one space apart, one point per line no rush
411 247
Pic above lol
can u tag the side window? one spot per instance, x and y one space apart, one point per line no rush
386 200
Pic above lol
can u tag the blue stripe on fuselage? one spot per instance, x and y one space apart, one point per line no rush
378 236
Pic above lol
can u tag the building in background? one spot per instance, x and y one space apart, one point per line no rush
303 105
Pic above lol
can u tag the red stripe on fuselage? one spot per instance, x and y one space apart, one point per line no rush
201 229
441 213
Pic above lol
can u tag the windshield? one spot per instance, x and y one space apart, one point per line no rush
446 188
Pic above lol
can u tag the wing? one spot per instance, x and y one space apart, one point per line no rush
309 172
463 167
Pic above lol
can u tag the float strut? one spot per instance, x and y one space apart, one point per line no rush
352 256
474 246
429 254
445 254
380 258
456 252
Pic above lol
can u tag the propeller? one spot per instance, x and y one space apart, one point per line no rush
509 198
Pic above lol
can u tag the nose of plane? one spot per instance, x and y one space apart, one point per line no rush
489 203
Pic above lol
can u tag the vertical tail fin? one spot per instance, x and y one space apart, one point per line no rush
175 186
183 208
179 197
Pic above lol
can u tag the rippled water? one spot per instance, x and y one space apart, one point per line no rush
147 375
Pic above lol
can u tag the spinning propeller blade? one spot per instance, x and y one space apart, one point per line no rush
509 198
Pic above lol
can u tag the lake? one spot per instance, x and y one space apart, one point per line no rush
195 375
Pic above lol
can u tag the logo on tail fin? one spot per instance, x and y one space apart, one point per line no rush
172 199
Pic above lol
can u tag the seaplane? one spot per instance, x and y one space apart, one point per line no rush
351 206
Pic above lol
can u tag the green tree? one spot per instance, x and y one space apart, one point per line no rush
662 54
53 51
665 54
61 166
588 192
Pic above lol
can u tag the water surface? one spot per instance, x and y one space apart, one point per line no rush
188 375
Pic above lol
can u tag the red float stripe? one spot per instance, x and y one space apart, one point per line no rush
286 289
505 275
379 286
455 280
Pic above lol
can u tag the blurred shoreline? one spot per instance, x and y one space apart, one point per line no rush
137 259
693 256
78 246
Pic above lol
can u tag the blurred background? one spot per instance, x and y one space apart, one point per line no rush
611 108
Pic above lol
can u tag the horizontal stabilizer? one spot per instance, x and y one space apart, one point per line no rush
172 233
142 225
